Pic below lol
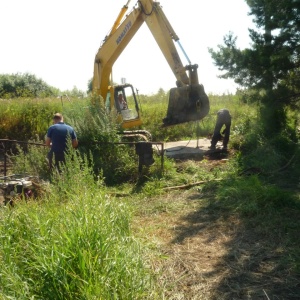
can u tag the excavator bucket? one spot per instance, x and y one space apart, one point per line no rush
186 103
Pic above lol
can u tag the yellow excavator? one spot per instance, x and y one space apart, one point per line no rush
187 101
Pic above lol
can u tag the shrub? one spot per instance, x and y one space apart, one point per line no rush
24 85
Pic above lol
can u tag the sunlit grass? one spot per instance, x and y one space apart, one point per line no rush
76 240
74 243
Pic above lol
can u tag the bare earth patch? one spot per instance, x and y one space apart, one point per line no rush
210 254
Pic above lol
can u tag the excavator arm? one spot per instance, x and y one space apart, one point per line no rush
187 101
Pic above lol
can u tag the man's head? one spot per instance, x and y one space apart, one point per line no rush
58 118
120 97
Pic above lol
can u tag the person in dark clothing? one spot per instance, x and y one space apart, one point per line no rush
57 138
122 102
223 118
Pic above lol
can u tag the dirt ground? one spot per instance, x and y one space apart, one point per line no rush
210 254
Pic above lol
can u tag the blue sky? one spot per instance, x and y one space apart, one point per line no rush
57 41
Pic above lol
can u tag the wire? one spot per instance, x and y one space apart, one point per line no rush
168 150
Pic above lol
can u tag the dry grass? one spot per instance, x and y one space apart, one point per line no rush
206 253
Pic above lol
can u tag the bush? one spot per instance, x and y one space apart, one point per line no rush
26 119
24 85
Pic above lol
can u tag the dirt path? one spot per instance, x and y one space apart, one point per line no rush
211 255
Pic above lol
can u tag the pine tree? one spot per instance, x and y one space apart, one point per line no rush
271 67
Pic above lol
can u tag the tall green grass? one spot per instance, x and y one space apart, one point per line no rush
73 243
24 119
96 131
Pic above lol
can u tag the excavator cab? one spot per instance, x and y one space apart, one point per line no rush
187 102
126 104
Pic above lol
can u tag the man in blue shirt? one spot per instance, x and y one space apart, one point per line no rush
57 138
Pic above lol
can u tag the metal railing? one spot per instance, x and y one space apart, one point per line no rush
7 147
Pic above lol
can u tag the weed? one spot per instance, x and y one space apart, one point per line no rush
75 244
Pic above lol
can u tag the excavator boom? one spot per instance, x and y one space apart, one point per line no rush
188 100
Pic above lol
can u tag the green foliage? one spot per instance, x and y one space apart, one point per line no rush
26 119
252 197
31 159
75 244
90 86
274 157
152 117
24 85
97 133
271 66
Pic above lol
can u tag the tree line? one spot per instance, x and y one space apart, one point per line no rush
27 85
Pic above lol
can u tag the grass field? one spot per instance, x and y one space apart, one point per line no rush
224 227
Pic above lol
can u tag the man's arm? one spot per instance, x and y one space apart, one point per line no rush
74 143
48 142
